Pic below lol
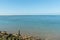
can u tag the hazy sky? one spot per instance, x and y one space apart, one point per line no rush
29 7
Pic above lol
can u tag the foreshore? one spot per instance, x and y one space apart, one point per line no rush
16 36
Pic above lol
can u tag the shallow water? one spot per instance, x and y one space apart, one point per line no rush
46 26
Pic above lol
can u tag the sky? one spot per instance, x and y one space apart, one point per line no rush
29 7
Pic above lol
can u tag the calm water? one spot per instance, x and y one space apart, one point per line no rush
47 26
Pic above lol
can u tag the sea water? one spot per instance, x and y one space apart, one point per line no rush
46 26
